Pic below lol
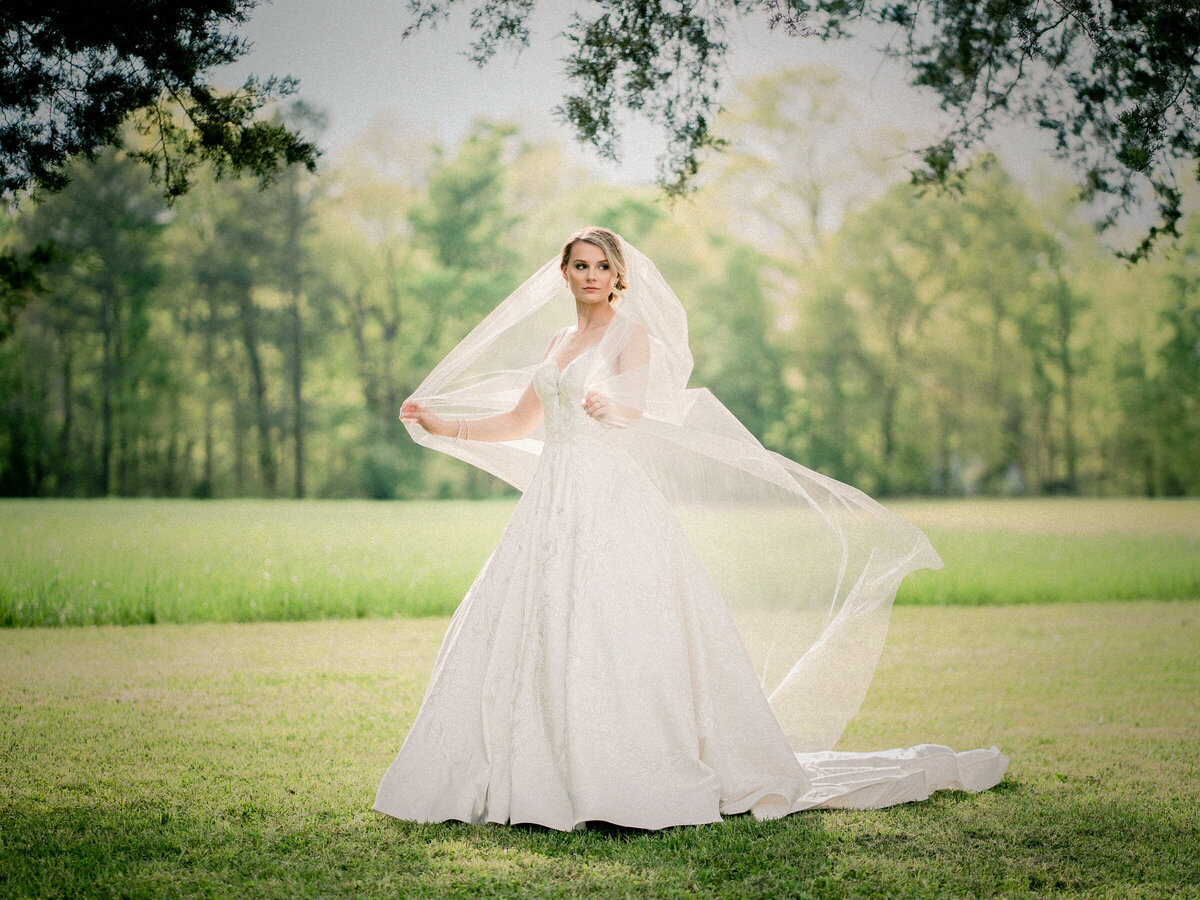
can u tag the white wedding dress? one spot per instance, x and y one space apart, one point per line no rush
594 673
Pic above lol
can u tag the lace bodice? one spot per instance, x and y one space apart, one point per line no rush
561 394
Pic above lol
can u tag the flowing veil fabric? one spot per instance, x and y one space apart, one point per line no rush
808 566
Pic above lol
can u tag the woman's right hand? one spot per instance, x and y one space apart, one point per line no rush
416 411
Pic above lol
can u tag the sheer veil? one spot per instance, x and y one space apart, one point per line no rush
808 566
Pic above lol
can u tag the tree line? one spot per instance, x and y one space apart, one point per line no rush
247 342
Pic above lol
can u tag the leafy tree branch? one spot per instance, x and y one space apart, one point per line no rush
73 77
1115 82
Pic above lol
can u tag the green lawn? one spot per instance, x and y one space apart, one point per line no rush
1056 550
210 759
240 760
145 561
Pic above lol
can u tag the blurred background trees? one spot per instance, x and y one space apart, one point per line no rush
76 80
1116 85
259 343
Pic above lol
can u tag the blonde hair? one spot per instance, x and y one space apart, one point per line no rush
610 244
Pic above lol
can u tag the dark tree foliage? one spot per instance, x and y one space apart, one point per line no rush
1116 82
20 278
72 76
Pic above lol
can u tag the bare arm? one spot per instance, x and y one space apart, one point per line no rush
515 424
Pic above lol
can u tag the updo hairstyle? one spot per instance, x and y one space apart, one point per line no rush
610 244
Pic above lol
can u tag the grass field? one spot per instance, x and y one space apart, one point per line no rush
1057 550
240 760
147 561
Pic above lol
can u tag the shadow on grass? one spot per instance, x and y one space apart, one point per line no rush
1016 840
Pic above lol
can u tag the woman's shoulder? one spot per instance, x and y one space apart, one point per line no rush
626 325
628 334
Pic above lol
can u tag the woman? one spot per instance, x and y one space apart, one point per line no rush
593 671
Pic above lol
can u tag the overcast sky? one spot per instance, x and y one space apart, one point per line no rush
352 63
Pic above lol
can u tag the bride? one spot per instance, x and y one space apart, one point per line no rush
676 624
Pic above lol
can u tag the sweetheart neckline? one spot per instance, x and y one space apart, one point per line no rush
563 370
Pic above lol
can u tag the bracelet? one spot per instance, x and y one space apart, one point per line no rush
457 431
467 425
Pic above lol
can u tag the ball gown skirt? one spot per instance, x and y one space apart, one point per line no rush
593 673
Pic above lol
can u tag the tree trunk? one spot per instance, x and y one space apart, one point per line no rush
292 275
390 330
366 370
1067 362
208 485
106 406
65 465
258 391
297 367
239 445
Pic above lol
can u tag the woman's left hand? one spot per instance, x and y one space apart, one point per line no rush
597 406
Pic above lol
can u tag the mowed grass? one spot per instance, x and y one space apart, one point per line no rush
146 561
123 562
1056 550
241 761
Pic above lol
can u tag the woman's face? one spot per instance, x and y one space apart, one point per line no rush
588 273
